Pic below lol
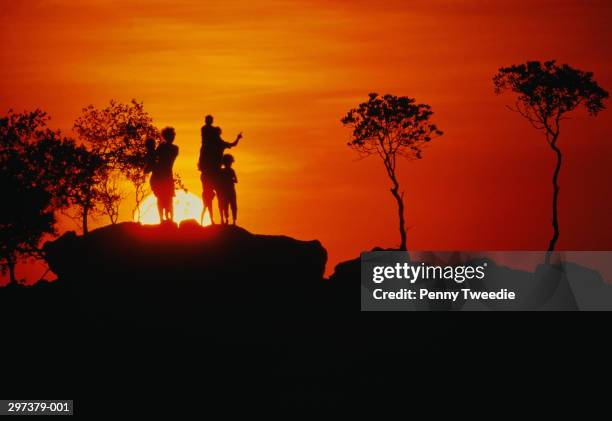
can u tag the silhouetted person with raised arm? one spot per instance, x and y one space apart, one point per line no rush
227 191
162 178
209 163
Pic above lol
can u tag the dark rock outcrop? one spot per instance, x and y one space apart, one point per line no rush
165 272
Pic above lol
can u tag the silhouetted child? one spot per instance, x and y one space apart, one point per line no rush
227 190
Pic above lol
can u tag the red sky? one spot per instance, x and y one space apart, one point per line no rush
285 72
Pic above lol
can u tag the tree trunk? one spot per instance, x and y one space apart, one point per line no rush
399 198
85 212
136 211
555 200
11 267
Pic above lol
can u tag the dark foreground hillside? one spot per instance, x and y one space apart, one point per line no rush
175 319
167 309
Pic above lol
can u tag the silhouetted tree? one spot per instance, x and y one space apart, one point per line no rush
77 171
111 195
178 183
391 127
546 93
140 192
33 167
117 134
83 178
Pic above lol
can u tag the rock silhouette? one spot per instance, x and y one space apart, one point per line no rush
169 272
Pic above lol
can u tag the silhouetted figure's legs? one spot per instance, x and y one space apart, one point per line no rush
222 211
160 210
208 204
234 205
208 194
164 206
170 211
225 209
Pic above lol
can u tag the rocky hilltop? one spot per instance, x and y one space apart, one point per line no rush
171 271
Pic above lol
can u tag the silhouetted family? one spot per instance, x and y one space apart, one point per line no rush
217 175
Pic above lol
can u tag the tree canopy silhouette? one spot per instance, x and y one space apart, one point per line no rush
117 134
35 163
546 93
82 178
391 127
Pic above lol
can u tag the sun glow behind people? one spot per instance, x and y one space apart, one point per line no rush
186 206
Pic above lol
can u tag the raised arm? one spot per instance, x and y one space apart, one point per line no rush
235 142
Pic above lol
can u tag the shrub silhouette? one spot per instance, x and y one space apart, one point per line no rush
546 93
391 127
38 170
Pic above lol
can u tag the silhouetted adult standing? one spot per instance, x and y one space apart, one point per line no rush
162 178
209 163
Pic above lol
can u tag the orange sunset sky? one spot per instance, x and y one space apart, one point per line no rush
285 72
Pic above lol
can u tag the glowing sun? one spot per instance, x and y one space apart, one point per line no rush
186 206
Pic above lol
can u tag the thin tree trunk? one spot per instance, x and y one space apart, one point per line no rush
555 200
85 212
139 199
11 267
399 198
